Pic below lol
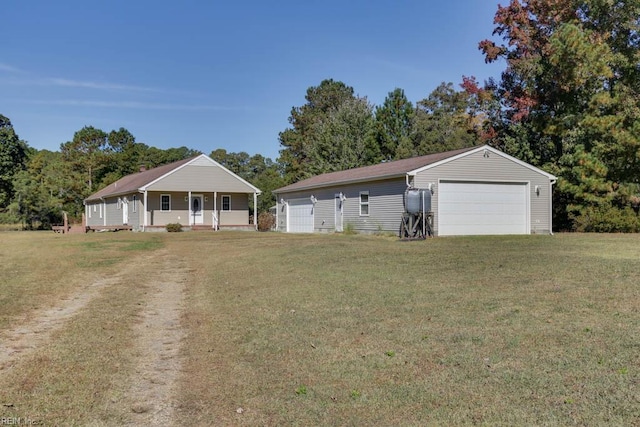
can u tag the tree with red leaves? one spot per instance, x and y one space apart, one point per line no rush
569 101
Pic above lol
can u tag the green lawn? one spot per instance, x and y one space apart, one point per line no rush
351 330
357 330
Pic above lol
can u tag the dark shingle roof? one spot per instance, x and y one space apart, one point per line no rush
131 183
393 169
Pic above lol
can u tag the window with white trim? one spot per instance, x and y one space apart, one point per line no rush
165 202
364 203
134 199
100 209
226 203
119 203
89 209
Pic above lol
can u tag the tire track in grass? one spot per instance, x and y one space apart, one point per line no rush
158 337
27 336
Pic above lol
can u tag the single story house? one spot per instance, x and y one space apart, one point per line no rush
475 190
197 192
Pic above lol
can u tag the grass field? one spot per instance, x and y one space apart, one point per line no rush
332 329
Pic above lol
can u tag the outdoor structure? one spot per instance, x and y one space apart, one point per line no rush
476 190
196 192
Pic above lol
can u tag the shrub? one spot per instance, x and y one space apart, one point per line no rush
607 219
266 221
349 229
174 227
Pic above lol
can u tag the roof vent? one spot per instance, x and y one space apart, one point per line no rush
143 168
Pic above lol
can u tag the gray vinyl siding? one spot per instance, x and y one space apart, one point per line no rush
200 177
134 217
385 206
281 215
113 215
95 218
495 168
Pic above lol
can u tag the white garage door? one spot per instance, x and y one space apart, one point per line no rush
300 216
467 208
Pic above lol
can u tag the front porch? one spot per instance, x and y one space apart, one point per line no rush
203 228
197 210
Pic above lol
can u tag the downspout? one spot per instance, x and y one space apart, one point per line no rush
551 182
277 210
145 221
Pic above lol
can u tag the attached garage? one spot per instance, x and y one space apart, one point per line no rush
471 208
300 216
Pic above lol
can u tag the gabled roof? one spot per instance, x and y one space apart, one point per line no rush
396 169
138 181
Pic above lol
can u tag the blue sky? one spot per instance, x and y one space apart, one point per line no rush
212 74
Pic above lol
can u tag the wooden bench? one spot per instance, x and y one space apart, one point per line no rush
64 228
60 229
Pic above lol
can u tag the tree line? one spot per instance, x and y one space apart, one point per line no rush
567 102
334 130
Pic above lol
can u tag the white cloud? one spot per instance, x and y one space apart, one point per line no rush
9 68
101 86
33 79
130 105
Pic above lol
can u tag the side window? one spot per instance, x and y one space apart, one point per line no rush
364 203
165 202
134 199
226 203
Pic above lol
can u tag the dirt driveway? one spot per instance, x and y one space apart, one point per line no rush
148 395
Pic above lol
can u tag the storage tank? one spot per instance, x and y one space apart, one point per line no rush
417 199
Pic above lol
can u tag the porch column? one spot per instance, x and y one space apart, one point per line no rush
189 210
104 211
255 210
145 208
215 211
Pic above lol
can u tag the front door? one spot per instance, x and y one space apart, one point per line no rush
338 218
196 210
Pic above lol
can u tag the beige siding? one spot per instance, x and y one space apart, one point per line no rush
239 214
201 177
234 217
494 168
178 213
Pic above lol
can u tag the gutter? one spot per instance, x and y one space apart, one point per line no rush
551 183
338 183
